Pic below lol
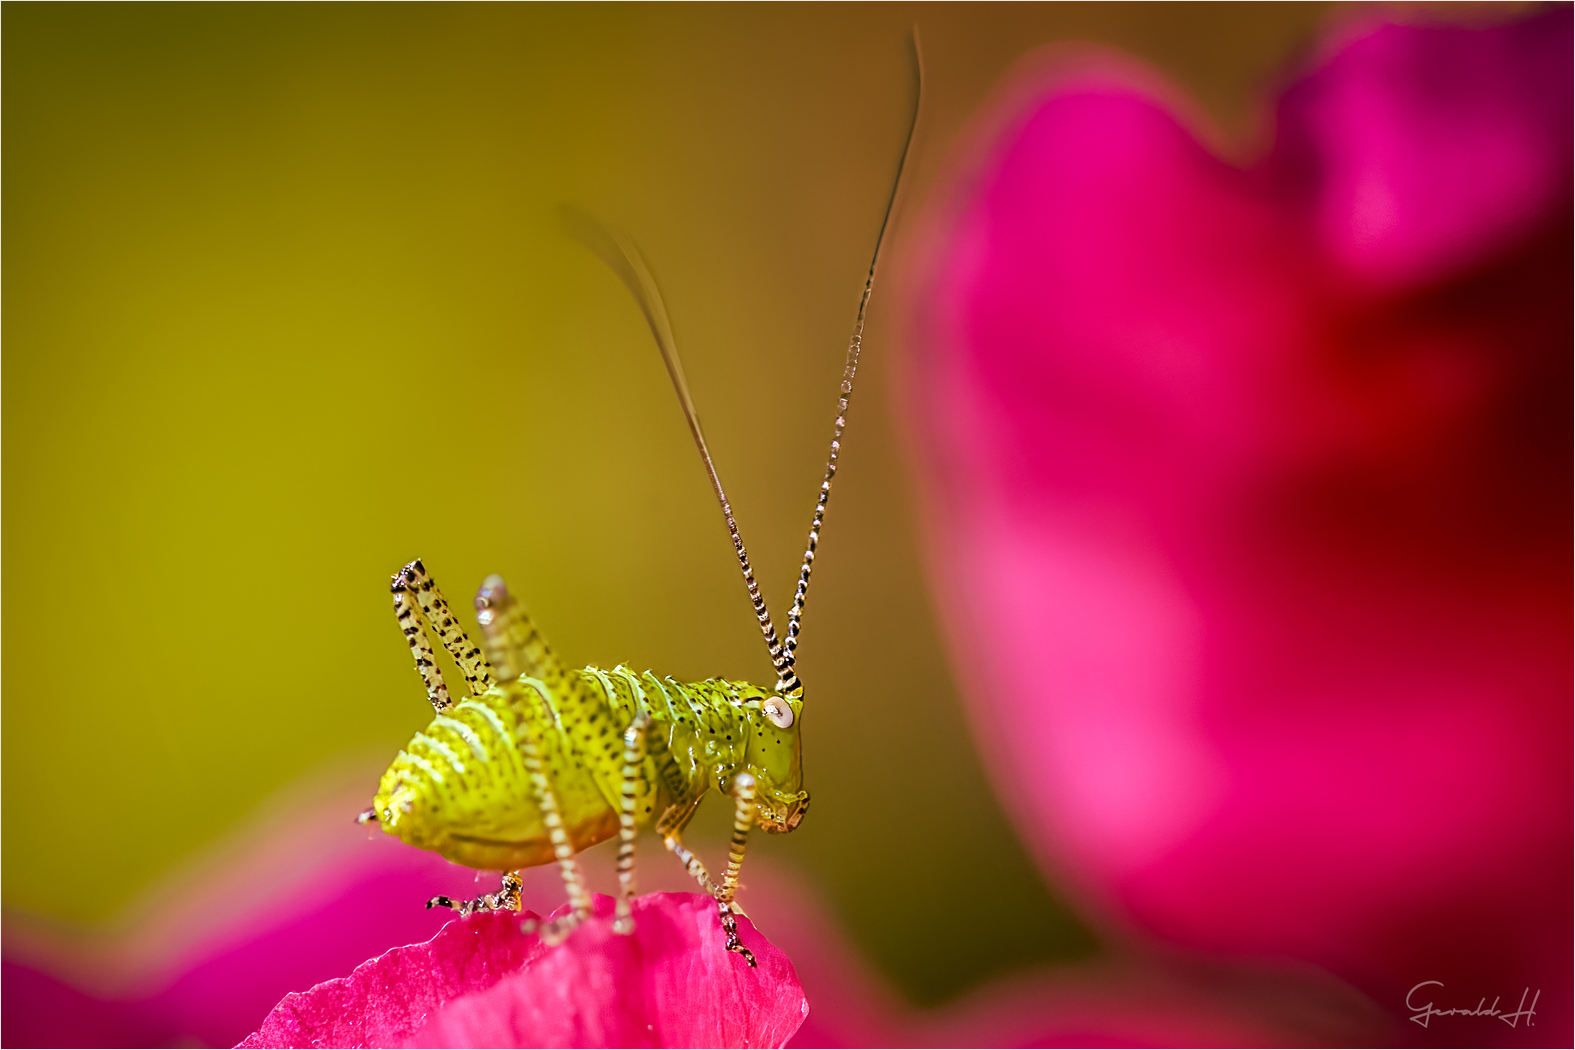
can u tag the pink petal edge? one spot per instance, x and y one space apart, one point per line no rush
482 982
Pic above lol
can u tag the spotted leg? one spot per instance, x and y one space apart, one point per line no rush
743 820
506 899
418 604
499 616
727 908
551 815
633 760
417 599
692 864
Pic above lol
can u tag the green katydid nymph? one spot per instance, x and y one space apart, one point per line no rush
541 760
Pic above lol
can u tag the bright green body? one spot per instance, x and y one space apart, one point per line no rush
460 787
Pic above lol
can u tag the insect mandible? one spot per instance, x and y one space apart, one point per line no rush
541 760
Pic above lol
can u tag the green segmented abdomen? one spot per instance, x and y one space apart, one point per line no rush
460 787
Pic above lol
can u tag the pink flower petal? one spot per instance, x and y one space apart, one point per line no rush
387 998
482 982
670 984
1435 147
1251 516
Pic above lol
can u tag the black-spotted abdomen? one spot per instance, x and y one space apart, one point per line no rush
460 788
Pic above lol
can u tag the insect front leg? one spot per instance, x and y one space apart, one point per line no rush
506 899
743 820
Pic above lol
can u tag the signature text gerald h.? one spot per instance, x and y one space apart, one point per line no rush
1423 1012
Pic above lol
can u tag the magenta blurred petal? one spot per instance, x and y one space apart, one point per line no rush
387 998
483 982
1250 498
1111 1002
1434 146
672 983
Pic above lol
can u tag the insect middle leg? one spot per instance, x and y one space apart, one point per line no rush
539 774
628 801
506 645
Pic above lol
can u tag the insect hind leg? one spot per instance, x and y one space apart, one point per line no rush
407 611
418 603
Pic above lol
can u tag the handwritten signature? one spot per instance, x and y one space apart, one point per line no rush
1422 1013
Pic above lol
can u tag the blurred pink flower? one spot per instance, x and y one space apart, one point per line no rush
482 982
1250 496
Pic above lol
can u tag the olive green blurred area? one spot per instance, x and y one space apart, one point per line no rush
287 305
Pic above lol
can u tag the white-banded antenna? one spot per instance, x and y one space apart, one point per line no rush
850 369
620 253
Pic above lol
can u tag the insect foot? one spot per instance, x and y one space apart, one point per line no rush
506 899
730 927
555 932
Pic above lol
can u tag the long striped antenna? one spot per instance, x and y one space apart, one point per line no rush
849 369
620 253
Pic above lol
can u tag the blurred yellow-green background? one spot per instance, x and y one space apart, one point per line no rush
286 305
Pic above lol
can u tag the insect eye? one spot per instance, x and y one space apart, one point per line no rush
778 711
